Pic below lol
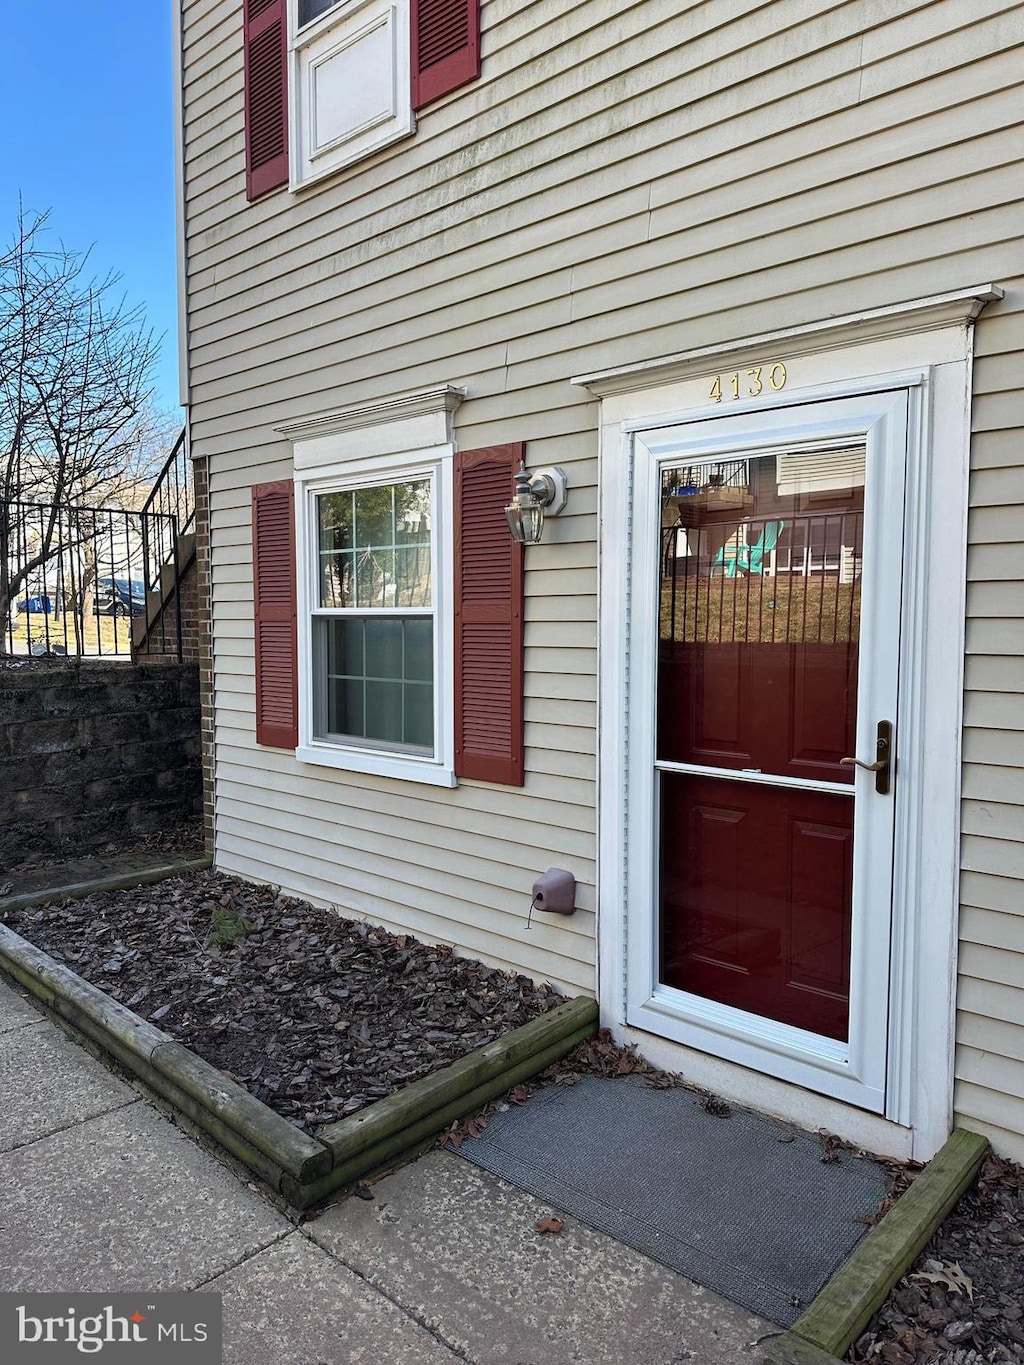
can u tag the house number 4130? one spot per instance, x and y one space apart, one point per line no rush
749 383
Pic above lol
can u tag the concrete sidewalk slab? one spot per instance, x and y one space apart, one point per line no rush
445 1264
294 1302
458 1248
124 1202
47 1083
15 1011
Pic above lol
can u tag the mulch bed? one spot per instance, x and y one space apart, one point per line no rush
317 1016
963 1302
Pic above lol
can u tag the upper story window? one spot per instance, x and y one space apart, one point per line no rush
328 82
312 9
349 89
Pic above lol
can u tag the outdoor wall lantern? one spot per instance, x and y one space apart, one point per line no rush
535 495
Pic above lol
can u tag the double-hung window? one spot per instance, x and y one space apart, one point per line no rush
374 605
373 685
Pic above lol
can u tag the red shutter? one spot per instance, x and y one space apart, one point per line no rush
273 563
488 619
445 47
266 96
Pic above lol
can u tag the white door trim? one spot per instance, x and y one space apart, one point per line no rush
937 362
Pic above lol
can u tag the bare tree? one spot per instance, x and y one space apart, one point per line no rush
75 396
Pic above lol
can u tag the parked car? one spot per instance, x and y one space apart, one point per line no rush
120 597
37 605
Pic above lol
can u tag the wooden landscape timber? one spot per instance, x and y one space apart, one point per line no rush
303 1169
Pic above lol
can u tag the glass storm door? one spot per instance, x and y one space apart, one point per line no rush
779 561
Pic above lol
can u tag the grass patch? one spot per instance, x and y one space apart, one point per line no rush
98 635
750 608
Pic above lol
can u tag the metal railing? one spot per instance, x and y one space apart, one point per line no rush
794 579
97 581
79 581
173 493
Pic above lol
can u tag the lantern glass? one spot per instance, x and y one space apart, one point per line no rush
525 517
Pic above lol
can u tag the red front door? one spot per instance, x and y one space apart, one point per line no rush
757 695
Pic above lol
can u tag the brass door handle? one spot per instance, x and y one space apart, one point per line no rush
882 766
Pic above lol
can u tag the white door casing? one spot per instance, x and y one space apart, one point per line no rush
923 349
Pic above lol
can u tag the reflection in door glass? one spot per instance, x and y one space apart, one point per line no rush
760 608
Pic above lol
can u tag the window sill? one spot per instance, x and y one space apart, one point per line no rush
315 172
427 771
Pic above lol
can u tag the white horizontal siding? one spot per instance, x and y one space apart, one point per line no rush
626 180
989 1094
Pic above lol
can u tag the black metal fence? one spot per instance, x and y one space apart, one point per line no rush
88 581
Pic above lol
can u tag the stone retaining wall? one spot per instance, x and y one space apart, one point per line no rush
92 753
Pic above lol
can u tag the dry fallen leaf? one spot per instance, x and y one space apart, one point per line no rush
550 1224
952 1276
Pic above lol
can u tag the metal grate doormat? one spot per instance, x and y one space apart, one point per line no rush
742 1204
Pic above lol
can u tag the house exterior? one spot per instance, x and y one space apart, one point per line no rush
750 275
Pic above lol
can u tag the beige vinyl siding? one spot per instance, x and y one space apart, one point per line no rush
627 180
990 1022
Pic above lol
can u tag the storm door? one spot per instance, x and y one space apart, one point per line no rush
772 774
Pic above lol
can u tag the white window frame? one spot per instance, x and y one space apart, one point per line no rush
438 768
326 36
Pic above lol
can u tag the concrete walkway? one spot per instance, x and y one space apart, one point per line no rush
102 1192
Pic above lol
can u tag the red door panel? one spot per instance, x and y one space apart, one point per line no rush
756 886
784 709
821 724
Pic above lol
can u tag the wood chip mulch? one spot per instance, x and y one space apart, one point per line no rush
963 1301
317 1016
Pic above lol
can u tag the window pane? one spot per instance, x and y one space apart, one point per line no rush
335 540
336 521
419 714
412 577
384 711
384 648
345 652
345 706
419 650
336 577
375 578
375 520
412 514
312 9
375 681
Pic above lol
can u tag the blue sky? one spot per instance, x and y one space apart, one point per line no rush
86 105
